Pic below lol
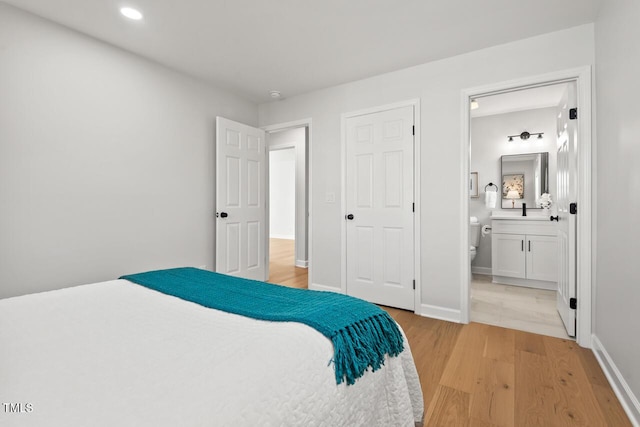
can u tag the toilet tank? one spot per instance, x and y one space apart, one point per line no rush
474 234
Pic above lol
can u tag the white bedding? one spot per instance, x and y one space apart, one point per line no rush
118 354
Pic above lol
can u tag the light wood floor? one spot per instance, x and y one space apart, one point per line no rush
282 269
483 375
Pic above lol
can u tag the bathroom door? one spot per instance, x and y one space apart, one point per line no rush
241 214
379 207
567 175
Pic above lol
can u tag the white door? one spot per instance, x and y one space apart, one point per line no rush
241 239
567 175
379 207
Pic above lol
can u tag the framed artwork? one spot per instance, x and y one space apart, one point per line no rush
473 185
513 182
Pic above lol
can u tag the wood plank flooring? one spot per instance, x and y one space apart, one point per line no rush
282 269
483 375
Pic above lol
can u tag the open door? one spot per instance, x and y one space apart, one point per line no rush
567 176
241 229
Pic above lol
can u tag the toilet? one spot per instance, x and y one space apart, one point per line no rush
474 237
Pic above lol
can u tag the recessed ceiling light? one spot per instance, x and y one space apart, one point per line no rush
131 13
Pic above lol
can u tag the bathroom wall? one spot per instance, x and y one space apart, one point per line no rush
488 143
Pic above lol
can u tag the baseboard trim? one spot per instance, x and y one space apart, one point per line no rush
620 387
319 287
302 263
282 236
441 313
527 283
482 270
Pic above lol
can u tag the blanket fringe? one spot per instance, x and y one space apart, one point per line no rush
363 345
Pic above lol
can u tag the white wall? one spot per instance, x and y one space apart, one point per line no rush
489 142
106 159
282 193
617 292
438 85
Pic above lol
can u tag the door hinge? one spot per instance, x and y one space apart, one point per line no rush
573 208
413 130
414 283
573 303
573 113
413 207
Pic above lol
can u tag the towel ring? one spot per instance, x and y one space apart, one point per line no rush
491 184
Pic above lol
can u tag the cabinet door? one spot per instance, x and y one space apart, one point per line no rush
542 258
507 254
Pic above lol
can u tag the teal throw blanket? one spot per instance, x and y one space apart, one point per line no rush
361 333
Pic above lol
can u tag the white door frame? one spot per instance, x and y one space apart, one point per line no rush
415 103
582 77
287 126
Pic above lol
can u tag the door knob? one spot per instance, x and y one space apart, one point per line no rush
554 218
349 217
222 214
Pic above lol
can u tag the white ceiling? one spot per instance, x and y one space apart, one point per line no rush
296 46
520 100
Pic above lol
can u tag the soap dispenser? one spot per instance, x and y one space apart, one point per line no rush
524 209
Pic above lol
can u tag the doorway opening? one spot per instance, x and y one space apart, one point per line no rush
505 262
505 290
288 212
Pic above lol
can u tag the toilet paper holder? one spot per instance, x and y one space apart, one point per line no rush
486 230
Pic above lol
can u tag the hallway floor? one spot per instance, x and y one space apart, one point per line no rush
282 269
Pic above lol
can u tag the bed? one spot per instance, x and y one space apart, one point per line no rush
119 354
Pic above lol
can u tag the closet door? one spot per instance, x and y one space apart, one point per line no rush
379 207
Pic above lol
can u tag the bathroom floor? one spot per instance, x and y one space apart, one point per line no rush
515 307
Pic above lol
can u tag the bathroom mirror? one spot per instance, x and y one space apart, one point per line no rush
524 178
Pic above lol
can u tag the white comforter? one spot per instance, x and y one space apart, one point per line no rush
118 354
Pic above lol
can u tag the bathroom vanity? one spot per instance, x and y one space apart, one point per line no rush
524 251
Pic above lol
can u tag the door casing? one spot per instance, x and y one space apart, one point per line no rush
584 255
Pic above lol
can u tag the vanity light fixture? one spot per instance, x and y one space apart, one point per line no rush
525 135
131 13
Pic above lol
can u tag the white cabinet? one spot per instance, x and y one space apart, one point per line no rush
524 252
